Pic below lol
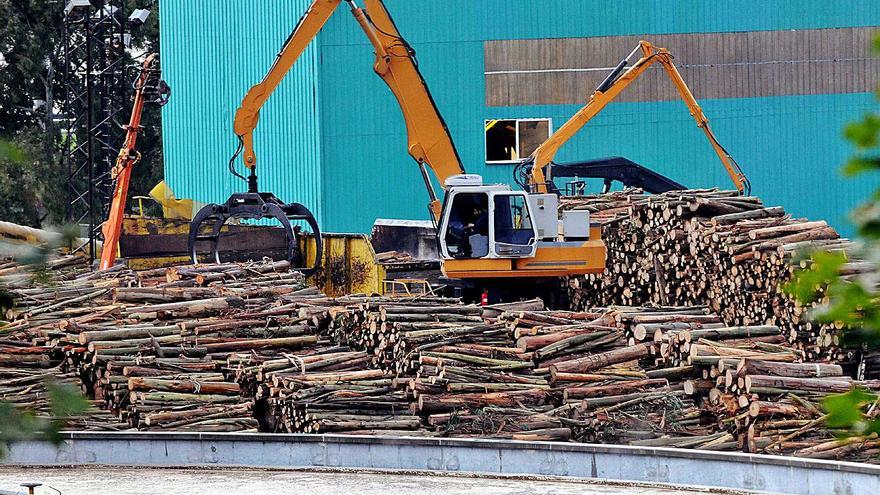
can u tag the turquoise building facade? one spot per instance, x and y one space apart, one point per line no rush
332 136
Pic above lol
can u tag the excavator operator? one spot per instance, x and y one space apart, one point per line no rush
479 232
468 230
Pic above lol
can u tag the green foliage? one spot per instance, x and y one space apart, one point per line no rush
32 191
852 302
847 411
823 271
11 152
29 38
864 133
17 425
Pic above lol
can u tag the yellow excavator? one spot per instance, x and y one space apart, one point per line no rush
536 172
488 234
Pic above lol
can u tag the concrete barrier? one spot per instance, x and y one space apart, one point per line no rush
494 457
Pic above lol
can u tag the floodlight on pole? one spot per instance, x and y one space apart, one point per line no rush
139 17
77 7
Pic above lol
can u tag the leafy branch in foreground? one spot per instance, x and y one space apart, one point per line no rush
851 303
17 424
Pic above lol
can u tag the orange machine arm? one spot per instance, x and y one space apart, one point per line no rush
607 91
121 172
248 113
428 138
429 142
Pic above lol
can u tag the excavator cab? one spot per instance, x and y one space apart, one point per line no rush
485 221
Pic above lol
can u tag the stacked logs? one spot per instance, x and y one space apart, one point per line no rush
343 400
160 348
643 376
391 257
237 347
768 404
708 247
459 371
30 357
531 423
14 275
26 371
26 388
391 331
640 408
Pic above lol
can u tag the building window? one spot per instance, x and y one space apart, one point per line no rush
514 139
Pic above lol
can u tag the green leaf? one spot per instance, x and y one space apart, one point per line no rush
844 410
864 133
860 164
873 427
66 400
824 271
867 219
11 152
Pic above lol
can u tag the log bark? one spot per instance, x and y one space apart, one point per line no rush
589 363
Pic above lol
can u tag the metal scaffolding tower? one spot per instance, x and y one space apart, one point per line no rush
96 90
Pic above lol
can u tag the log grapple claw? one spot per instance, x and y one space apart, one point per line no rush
256 206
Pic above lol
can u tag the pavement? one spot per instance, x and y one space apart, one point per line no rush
149 481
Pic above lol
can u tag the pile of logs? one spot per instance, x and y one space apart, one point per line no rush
708 247
346 400
13 275
391 257
771 405
662 376
685 342
391 332
161 348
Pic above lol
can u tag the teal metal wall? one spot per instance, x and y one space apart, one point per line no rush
212 52
791 146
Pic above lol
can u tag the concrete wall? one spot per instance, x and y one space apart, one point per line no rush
761 473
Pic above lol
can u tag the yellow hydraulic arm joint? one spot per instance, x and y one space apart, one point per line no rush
606 92
428 140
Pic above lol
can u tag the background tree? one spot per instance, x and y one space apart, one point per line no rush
32 180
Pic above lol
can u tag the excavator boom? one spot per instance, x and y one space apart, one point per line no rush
128 158
428 139
617 81
248 113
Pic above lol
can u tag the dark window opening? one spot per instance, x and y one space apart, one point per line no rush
532 133
501 141
467 231
514 139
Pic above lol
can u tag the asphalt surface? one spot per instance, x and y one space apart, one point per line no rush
100 481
